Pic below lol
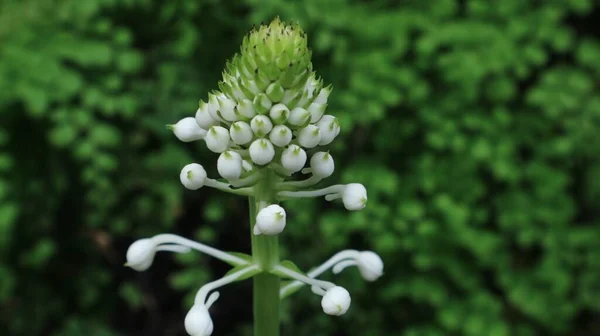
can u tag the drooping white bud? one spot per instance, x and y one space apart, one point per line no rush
323 95
369 265
354 196
203 117
336 301
280 135
293 158
322 165
279 113
261 125
261 151
316 111
270 220
241 132
299 117
229 165
141 254
246 109
198 322
187 130
309 136
226 108
329 127
192 176
217 139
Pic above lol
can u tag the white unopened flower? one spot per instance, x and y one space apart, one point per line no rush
141 254
369 265
261 103
270 220
299 117
329 127
316 111
261 151
227 108
198 321
229 165
309 136
261 125
217 139
279 113
246 109
336 301
213 105
323 95
192 176
354 196
187 130
293 158
322 165
280 135
241 132
203 116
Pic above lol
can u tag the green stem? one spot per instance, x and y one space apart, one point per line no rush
265 251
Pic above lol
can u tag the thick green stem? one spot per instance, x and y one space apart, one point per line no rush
265 251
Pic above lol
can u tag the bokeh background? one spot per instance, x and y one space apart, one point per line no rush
474 125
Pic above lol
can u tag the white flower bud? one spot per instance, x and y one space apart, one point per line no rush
229 165
316 111
299 117
241 133
293 158
369 265
323 95
270 220
187 130
309 136
280 135
192 176
213 105
226 108
329 127
217 139
279 113
198 321
336 301
261 151
354 196
322 165
261 125
261 103
203 117
246 109
141 254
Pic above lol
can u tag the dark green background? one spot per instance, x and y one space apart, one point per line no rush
473 124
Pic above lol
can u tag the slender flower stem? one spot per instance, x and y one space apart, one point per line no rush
265 251
226 187
171 239
334 189
204 290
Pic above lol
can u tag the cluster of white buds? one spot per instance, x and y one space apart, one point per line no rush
268 124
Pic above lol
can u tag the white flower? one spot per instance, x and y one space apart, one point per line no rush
293 158
198 321
316 111
213 105
309 136
241 132
299 117
226 108
261 125
141 254
192 176
323 95
229 165
280 135
336 301
279 113
329 127
246 109
354 196
261 151
369 265
187 130
203 116
270 220
217 139
322 165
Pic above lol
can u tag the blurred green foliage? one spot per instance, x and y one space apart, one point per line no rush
472 123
